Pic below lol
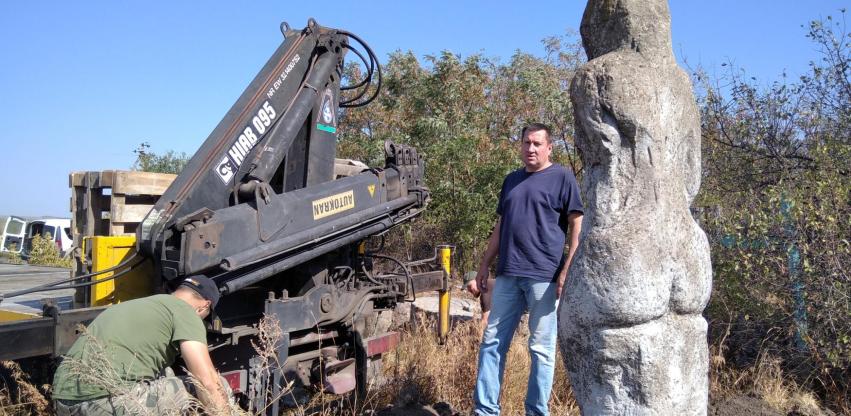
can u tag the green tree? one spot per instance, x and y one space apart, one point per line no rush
464 115
776 179
169 162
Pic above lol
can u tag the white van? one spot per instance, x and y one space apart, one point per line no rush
58 229
12 231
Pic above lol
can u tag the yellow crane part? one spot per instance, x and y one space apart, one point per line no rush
109 251
445 256
8 316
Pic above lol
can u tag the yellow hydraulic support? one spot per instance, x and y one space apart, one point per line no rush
445 257
109 251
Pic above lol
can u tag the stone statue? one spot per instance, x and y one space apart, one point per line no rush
630 323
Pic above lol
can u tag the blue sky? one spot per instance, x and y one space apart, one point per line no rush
82 83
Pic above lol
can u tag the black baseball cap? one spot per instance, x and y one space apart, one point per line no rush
204 286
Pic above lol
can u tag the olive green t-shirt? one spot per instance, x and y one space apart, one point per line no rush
126 343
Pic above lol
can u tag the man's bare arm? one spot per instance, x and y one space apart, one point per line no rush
198 362
490 254
574 223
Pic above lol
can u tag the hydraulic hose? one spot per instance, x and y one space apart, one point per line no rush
55 285
405 269
372 67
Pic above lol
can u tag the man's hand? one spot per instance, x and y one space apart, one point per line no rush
490 255
473 288
562 277
574 221
198 362
482 281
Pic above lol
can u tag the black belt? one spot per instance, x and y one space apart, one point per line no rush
69 402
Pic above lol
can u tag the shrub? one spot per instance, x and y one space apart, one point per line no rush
775 163
12 256
45 253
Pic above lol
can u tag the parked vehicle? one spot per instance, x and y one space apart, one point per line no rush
57 230
12 231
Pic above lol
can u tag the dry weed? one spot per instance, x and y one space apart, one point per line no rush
806 403
268 343
12 256
425 372
266 346
18 397
765 380
97 370
770 385
324 404
195 407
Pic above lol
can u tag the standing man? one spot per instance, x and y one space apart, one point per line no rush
121 364
538 204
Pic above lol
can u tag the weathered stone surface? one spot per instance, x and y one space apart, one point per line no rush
630 326
460 310
425 307
646 369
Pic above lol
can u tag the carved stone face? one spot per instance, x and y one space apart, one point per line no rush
535 150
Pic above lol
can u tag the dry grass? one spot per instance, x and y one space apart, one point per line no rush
422 371
765 380
19 397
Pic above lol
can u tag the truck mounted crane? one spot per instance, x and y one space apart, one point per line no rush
263 210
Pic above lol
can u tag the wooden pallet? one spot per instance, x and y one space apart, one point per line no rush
112 202
109 203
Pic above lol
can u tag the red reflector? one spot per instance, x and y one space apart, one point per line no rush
236 380
382 343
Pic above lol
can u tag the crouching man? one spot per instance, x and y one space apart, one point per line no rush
122 364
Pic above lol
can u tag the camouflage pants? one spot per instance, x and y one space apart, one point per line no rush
162 396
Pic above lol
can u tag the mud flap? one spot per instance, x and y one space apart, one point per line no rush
368 353
339 376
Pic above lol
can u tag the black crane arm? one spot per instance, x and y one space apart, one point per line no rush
260 193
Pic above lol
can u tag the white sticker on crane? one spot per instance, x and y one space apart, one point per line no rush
245 142
328 108
225 170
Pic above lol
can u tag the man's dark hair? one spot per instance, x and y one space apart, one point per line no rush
533 127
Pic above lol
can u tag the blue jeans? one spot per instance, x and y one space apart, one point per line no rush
511 296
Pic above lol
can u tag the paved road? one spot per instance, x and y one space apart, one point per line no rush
14 277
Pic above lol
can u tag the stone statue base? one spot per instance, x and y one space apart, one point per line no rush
645 369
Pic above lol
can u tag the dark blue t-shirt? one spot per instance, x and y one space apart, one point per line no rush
534 208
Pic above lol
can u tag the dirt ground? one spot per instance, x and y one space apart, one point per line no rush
733 406
742 405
